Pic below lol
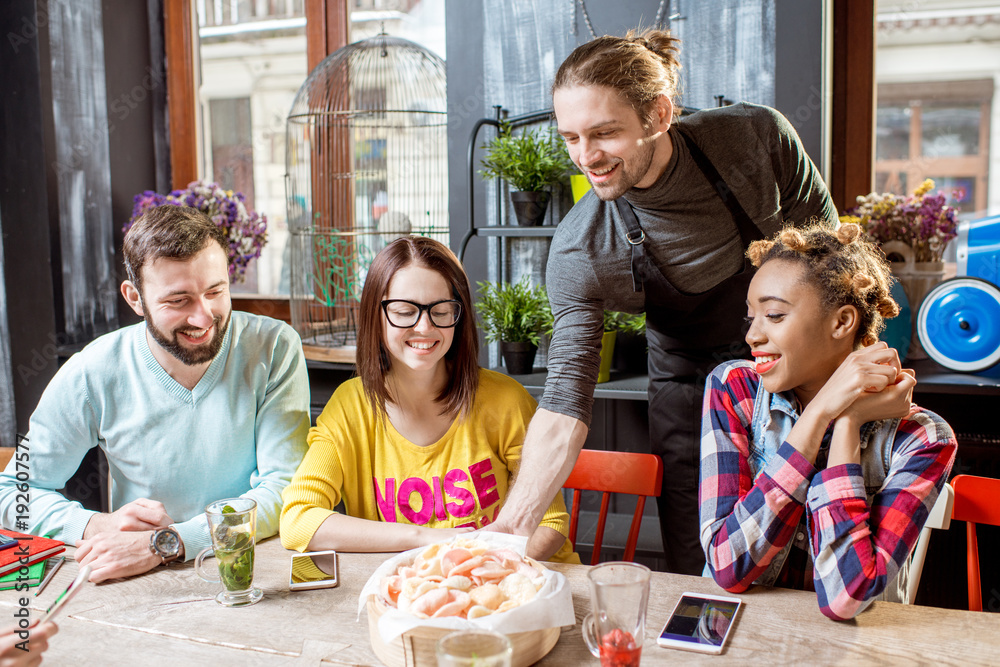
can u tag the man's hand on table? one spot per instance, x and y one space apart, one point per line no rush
117 554
140 514
117 544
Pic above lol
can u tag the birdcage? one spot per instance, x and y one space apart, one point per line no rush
366 163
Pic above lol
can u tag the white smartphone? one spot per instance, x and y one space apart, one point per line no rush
700 622
67 595
313 569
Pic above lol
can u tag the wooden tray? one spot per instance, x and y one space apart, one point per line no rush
416 647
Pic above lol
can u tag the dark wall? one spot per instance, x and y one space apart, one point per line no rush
29 316
137 119
799 90
770 52
105 137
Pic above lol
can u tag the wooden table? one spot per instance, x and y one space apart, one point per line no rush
170 613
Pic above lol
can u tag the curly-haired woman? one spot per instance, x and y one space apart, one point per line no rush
817 471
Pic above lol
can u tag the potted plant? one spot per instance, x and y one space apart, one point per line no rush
513 314
530 161
617 325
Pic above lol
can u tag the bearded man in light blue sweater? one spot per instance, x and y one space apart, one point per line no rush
195 404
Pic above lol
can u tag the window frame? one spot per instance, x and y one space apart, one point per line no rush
326 31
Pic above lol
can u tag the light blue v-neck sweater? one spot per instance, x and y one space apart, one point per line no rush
240 432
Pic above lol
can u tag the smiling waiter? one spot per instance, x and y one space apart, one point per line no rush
673 206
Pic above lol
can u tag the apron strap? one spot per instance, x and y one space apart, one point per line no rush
749 232
636 238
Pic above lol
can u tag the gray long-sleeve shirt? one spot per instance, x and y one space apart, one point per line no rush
690 234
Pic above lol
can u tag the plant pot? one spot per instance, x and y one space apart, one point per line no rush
579 184
519 358
607 354
529 207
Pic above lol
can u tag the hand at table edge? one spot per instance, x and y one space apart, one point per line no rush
113 555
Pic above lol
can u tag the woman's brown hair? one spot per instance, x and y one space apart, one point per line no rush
639 67
845 266
373 360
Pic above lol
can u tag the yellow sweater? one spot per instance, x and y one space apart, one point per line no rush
460 480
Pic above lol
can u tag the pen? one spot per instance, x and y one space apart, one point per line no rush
48 577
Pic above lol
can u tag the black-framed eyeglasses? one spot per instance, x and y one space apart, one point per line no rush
404 314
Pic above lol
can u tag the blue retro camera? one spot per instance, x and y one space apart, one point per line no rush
959 320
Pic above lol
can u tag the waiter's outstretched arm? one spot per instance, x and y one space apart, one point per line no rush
551 446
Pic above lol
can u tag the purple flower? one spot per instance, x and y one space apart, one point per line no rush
922 220
247 230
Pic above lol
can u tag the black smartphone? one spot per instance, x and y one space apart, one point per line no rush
7 542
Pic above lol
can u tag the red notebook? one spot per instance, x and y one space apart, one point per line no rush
30 547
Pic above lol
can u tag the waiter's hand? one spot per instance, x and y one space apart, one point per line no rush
551 445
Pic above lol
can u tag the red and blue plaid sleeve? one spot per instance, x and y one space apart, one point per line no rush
744 522
859 549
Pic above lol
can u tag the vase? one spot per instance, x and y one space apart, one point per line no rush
579 184
916 279
529 207
607 354
519 358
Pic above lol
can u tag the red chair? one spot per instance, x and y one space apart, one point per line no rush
975 502
614 472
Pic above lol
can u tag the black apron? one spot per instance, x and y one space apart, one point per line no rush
688 336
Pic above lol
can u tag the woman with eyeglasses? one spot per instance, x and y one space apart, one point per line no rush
423 444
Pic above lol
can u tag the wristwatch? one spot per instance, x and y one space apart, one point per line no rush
165 543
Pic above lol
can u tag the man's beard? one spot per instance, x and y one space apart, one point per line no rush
641 162
190 356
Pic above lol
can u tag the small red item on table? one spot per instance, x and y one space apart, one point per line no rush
618 649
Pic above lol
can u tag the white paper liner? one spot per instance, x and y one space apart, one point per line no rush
551 607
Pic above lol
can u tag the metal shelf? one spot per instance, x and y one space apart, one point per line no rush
516 231
513 121
622 386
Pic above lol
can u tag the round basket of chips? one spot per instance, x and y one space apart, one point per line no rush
467 583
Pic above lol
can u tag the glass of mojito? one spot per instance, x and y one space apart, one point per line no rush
232 523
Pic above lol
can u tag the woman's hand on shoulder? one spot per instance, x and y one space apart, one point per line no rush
864 372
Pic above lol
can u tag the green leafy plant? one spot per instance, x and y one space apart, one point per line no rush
512 312
236 562
624 322
234 550
529 161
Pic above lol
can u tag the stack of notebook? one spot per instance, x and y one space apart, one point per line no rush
31 552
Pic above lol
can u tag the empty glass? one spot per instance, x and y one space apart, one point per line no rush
614 628
474 648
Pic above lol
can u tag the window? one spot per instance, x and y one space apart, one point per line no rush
935 130
252 57
935 71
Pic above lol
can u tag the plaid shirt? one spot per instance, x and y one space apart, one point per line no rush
855 547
